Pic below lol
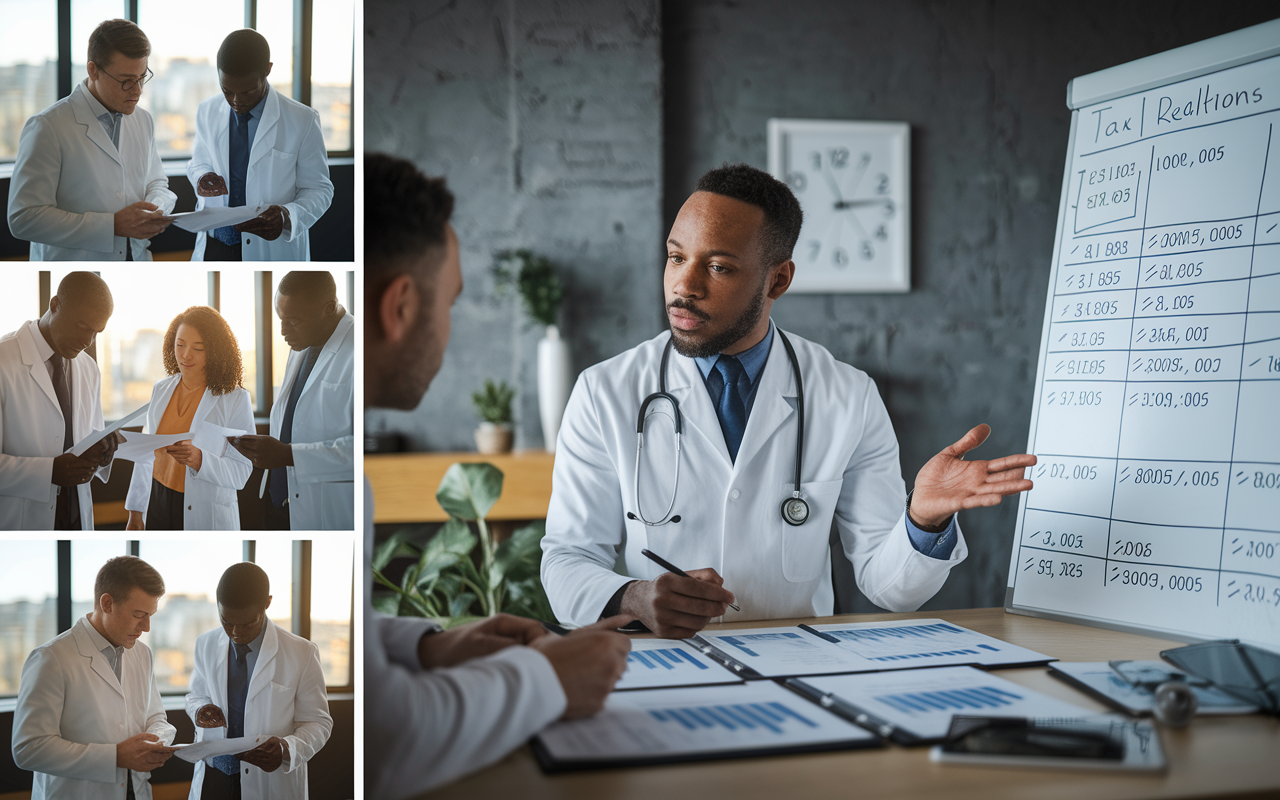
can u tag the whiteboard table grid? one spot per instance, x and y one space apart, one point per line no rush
1160 369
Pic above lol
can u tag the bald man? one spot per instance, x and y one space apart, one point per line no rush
49 391
310 454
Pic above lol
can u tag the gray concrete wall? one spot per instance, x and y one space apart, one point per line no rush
546 118
578 130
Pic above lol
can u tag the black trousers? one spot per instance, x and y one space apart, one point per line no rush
215 250
164 510
218 786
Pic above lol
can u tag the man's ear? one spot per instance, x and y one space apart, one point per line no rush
54 304
106 603
781 280
268 605
268 72
399 308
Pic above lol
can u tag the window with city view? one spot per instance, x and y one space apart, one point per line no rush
191 569
129 351
184 47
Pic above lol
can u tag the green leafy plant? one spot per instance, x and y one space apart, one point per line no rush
448 579
536 279
493 404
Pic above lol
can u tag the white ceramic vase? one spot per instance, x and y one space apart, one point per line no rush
553 384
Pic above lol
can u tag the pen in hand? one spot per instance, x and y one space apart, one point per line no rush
669 567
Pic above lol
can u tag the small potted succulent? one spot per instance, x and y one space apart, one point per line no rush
493 404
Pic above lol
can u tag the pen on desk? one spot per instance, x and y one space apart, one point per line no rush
669 567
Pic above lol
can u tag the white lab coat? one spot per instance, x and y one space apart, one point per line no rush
426 727
731 517
69 180
322 478
210 494
288 166
72 712
287 698
32 429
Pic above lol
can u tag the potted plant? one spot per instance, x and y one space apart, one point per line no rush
493 404
536 279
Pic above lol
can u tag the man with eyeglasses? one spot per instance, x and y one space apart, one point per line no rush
256 147
254 680
88 184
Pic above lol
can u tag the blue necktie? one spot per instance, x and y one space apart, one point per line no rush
280 475
239 162
730 409
237 696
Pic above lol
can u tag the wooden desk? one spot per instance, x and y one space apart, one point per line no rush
1215 756
404 484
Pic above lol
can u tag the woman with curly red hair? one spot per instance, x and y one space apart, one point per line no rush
184 487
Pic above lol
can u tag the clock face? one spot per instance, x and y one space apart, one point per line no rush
851 179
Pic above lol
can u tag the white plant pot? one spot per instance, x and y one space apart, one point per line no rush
494 439
553 384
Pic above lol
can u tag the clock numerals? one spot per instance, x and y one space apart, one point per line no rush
797 181
882 233
840 258
882 184
867 252
815 247
836 157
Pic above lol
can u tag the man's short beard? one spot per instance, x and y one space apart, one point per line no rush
716 344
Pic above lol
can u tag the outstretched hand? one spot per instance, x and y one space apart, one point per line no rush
948 483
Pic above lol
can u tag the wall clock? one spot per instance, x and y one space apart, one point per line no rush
853 182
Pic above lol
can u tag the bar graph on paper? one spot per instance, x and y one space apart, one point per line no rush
776 718
922 701
924 643
654 663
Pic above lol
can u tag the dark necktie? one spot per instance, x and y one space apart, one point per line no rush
238 160
730 409
237 690
280 475
67 512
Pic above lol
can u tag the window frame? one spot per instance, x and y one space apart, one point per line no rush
300 620
301 91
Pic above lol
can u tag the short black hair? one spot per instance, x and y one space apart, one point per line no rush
782 214
244 585
406 214
244 52
312 284
78 289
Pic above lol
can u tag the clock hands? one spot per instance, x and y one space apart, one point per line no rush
843 204
831 181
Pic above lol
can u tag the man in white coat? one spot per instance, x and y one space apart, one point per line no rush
253 679
88 184
440 704
310 454
732 373
50 399
256 147
89 721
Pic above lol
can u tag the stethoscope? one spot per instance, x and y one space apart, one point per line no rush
794 509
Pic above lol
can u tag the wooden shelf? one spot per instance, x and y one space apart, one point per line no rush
404 484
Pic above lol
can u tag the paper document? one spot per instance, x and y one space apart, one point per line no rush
197 751
212 439
1098 679
89 441
662 662
696 723
208 218
864 647
1138 742
142 446
921 702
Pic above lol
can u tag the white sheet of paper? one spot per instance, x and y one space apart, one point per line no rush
783 651
710 719
208 218
662 662
89 441
923 701
197 751
142 446
212 439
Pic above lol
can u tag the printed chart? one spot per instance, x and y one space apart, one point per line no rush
1157 410
661 662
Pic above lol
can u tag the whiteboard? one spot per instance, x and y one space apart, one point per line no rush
1156 418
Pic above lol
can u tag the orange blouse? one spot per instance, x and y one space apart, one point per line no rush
177 418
